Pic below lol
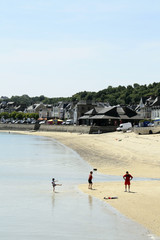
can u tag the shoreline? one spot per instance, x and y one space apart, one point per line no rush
113 154
141 204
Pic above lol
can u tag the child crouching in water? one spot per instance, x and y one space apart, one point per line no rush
55 184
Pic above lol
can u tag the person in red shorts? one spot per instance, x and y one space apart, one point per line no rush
90 180
127 177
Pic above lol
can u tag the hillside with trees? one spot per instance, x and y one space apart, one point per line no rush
129 95
121 94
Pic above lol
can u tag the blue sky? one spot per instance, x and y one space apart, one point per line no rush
59 48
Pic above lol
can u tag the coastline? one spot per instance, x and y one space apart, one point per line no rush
142 204
113 154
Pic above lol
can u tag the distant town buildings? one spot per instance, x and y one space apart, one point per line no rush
89 112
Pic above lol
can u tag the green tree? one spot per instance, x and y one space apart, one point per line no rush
5 115
20 115
13 115
136 85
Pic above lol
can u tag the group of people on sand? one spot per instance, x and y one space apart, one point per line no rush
127 177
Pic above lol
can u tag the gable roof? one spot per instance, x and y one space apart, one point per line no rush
115 112
156 101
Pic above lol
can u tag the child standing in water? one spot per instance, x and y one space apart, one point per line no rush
127 177
90 180
55 184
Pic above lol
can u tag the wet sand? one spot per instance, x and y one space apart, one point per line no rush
142 204
113 154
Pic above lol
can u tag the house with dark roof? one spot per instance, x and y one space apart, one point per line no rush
81 108
7 107
69 111
110 116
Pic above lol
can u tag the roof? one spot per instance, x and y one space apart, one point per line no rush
84 117
10 103
114 112
90 112
156 101
102 117
94 111
105 110
30 107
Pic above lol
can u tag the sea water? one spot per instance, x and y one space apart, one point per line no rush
29 210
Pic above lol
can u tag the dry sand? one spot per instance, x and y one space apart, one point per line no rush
142 204
113 154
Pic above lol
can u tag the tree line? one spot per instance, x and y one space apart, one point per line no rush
19 115
122 95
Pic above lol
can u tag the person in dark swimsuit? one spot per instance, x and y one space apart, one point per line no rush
54 184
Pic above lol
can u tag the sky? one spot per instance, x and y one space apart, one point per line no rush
59 48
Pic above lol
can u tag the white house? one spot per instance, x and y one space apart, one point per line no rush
44 111
155 108
144 107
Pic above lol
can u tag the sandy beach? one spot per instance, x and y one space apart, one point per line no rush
113 154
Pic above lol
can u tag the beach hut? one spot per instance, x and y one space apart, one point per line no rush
59 121
51 121
55 121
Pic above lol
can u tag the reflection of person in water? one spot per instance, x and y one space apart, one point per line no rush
90 180
55 184
127 177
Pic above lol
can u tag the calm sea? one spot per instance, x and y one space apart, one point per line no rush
29 210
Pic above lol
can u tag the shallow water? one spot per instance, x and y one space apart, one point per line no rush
30 210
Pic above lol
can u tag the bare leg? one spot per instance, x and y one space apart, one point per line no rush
128 188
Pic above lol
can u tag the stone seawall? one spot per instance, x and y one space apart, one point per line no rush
57 128
65 128
50 128
102 129
77 128
17 127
